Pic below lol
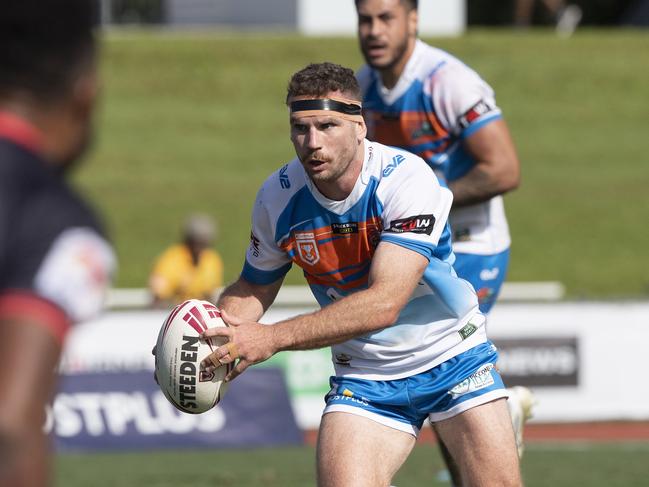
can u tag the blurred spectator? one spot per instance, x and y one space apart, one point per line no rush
567 17
189 269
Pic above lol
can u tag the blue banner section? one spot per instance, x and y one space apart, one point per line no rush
97 411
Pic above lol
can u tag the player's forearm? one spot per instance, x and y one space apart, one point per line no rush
246 300
482 184
355 315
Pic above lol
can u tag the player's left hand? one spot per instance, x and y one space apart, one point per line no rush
155 375
248 343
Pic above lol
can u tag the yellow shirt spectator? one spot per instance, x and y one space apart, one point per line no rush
190 269
176 277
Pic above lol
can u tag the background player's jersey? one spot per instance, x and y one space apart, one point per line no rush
437 102
55 264
396 199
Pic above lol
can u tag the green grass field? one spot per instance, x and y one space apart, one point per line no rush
569 465
197 122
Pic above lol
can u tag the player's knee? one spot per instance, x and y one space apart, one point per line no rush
508 475
514 480
502 478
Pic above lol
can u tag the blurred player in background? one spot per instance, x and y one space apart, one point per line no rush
55 262
367 224
424 100
566 16
189 269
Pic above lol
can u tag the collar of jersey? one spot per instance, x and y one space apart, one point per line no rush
20 131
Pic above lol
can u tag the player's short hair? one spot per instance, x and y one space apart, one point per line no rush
409 4
322 78
44 45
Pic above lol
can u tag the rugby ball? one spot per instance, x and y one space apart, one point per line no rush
179 353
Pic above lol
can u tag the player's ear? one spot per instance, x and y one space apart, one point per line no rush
85 92
361 130
413 22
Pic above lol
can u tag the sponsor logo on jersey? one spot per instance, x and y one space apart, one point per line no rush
489 274
413 224
344 228
339 398
467 330
307 248
474 113
479 380
254 245
284 181
396 160
343 359
333 294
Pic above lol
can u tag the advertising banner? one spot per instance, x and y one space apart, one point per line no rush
539 361
127 410
578 358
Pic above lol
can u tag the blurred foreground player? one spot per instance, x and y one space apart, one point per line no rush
367 224
54 261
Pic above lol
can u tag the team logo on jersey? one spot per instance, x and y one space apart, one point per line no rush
474 113
307 248
484 294
413 224
424 129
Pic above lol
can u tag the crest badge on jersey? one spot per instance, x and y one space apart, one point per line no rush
307 248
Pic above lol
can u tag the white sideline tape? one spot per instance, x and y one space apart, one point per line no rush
133 298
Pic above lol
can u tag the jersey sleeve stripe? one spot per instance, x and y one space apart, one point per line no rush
474 127
26 306
258 276
416 246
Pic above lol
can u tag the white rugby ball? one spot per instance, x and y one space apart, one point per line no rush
179 353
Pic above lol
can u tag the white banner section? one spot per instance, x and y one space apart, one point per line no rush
338 17
584 361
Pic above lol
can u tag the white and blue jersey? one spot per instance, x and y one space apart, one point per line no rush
437 102
396 199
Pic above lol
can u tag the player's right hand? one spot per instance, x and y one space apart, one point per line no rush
248 342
